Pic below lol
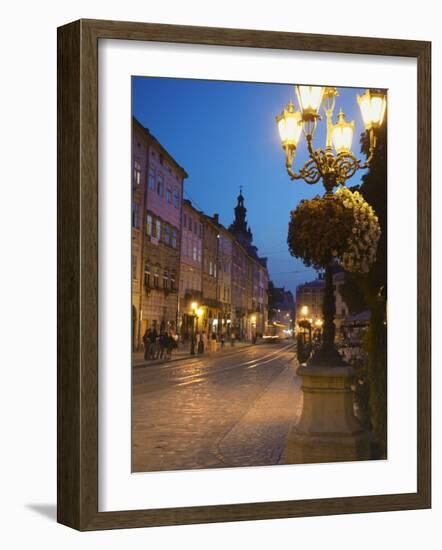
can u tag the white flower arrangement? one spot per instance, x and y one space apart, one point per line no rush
363 241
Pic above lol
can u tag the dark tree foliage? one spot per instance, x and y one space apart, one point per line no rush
369 291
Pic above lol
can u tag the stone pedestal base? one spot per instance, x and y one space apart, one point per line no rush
328 430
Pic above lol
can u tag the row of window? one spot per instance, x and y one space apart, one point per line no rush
156 183
152 276
211 268
193 225
191 250
162 231
155 227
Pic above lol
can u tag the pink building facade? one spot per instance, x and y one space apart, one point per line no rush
190 289
156 235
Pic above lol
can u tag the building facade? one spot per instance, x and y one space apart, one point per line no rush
250 278
185 261
309 302
156 234
190 289
225 253
210 304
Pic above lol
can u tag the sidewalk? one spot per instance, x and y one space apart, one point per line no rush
183 352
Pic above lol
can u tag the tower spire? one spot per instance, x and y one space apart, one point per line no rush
239 226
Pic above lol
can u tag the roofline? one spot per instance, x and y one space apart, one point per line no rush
153 139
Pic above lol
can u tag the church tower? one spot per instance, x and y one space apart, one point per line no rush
239 226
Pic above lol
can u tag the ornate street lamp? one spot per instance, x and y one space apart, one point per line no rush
334 165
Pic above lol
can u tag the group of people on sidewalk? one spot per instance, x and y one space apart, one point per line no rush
159 345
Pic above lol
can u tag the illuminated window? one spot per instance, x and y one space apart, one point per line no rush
137 172
149 225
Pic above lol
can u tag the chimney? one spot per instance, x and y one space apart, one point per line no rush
216 218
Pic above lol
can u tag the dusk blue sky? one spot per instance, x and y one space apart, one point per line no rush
224 135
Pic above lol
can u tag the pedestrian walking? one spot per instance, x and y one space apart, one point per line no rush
213 342
223 339
152 344
170 345
163 344
146 341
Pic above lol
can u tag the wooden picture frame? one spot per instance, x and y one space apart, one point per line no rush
77 461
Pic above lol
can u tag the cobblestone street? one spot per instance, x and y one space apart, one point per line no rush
213 411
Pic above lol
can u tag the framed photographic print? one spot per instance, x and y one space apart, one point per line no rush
243 275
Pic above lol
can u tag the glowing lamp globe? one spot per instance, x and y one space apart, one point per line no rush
309 98
372 105
289 126
342 134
